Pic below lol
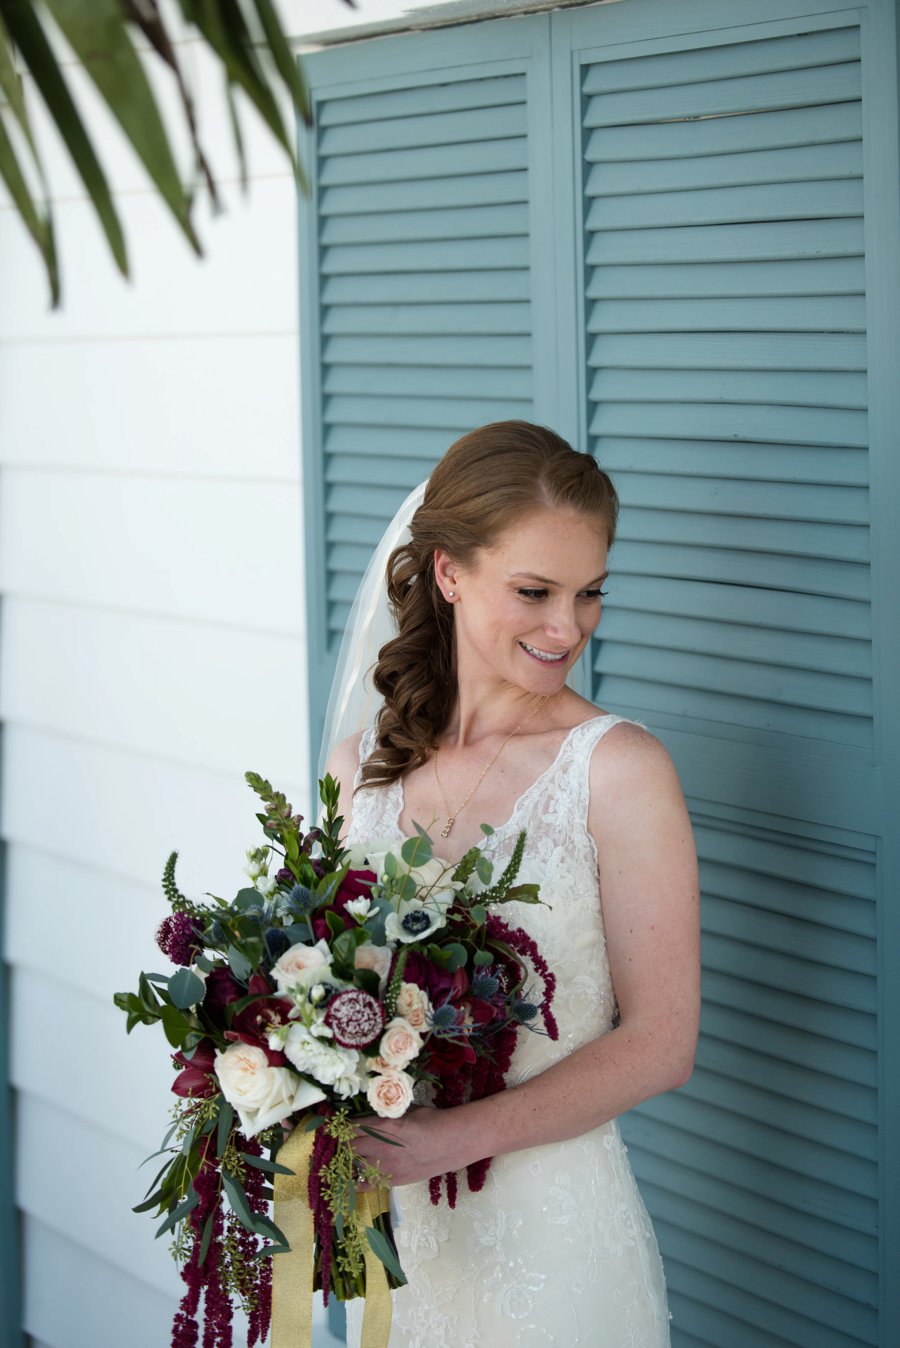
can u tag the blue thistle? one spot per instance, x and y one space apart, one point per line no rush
300 901
444 1017
485 985
277 942
524 1011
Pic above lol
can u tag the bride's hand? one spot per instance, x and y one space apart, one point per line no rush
426 1144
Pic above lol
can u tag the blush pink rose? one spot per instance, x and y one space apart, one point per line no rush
390 1094
399 1043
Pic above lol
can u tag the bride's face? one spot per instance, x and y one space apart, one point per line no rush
526 607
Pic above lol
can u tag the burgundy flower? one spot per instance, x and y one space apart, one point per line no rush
355 1018
178 936
356 885
197 1079
222 988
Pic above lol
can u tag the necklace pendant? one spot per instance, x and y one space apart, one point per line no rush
445 831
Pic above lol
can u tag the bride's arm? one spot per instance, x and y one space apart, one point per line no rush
343 765
648 879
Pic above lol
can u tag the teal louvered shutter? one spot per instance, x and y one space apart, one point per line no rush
419 302
685 259
726 386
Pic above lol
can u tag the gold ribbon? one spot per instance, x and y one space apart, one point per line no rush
292 1273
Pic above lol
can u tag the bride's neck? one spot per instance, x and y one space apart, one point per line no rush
485 710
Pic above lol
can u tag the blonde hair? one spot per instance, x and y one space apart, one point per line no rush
486 481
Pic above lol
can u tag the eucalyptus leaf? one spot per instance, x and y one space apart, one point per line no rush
240 965
381 1248
226 1119
260 1163
485 870
264 1226
238 1200
179 1213
205 1239
478 913
185 989
455 955
482 957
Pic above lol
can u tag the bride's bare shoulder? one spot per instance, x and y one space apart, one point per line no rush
343 761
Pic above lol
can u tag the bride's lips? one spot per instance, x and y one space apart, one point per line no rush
550 664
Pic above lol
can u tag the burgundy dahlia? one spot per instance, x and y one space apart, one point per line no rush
355 1018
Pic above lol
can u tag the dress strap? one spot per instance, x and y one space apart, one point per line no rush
582 743
367 743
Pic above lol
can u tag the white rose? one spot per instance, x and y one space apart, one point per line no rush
413 1005
301 966
375 957
325 1061
399 1043
261 1094
390 1094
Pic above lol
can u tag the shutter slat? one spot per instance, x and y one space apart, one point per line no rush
419 227
793 164
846 313
730 351
425 99
788 1080
830 1021
502 352
363 411
390 381
732 60
753 93
777 388
774 608
796 650
729 243
429 320
495 171
756 130
847 1065
726 205
450 128
760 423
732 280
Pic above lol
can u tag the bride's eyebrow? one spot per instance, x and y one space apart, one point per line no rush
543 580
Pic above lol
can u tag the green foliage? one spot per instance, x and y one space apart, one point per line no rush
245 39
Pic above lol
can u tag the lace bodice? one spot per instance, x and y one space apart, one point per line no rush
557 1248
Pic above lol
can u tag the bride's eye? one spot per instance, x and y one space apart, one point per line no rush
533 594
595 594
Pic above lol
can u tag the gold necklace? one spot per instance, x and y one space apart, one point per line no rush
453 814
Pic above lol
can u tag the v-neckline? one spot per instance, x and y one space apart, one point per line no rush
400 801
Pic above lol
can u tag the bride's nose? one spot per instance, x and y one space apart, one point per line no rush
562 626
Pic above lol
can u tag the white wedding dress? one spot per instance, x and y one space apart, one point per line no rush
557 1248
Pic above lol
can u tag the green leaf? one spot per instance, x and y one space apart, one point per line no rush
248 898
226 1119
240 965
456 955
238 1200
381 1248
416 851
186 989
27 33
485 870
486 829
99 37
368 980
382 1137
175 1026
205 1239
335 924
391 867
264 1226
178 1214
478 913
483 957
271 1167
39 226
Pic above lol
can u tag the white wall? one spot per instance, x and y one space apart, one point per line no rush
151 650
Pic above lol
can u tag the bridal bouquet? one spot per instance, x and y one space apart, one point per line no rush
321 996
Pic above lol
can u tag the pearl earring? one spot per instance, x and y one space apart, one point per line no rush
451 594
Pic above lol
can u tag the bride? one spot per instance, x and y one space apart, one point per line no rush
494 598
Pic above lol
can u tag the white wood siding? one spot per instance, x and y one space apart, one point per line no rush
151 650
